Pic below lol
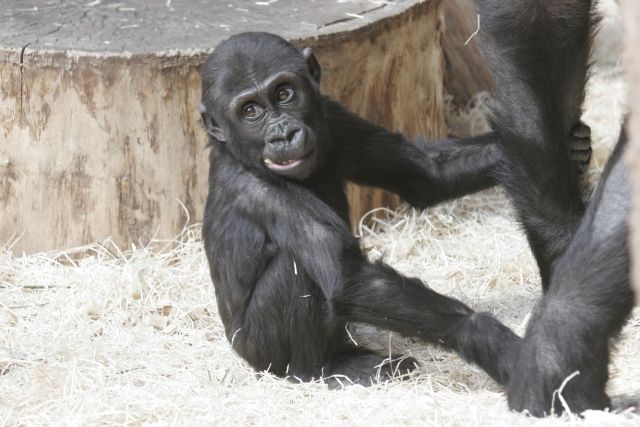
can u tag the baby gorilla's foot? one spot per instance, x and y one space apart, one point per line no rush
364 367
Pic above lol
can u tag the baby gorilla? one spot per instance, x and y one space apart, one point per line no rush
288 272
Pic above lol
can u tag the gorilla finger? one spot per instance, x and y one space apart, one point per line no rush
580 156
577 144
581 130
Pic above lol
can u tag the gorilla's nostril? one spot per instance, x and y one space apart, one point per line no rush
291 135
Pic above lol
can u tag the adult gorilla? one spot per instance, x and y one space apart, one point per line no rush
538 52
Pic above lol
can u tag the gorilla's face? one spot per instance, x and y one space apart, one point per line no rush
265 105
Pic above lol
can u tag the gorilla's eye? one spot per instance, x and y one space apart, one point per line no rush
284 93
251 111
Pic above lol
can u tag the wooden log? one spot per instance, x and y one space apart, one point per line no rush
466 73
631 14
99 130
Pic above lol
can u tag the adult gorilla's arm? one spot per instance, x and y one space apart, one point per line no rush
423 173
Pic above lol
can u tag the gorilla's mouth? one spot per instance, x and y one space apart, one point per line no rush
282 166
287 164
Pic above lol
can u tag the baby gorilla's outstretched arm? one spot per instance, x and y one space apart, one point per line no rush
425 172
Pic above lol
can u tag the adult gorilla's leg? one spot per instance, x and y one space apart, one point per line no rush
538 54
538 51
378 295
587 302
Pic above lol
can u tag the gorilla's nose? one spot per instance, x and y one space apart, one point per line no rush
284 134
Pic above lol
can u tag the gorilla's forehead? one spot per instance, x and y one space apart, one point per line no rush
243 62
248 58
244 72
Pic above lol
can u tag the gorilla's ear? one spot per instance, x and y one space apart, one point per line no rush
210 125
312 63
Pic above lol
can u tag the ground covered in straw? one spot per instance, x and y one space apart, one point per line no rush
102 335
133 337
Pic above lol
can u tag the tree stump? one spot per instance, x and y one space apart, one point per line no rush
99 129
631 12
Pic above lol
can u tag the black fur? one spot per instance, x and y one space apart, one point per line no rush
538 52
288 272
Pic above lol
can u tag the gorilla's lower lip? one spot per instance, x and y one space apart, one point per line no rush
282 166
288 164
